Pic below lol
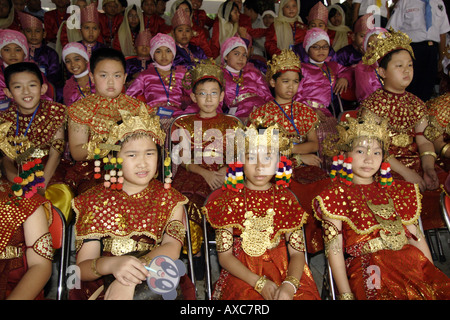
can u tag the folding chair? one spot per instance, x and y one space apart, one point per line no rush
58 231
189 249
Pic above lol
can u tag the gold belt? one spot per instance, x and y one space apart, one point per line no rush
402 140
11 252
243 97
377 244
120 247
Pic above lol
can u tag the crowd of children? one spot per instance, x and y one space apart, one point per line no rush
125 119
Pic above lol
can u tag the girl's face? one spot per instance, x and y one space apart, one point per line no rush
34 35
399 72
286 86
75 63
259 169
367 156
237 58
143 51
358 41
317 24
149 7
12 53
163 56
111 9
90 32
234 15
185 8
182 34
4 9
133 19
290 10
319 51
268 20
337 19
140 163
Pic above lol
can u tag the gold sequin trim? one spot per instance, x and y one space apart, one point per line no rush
176 229
11 252
44 246
224 240
296 240
121 246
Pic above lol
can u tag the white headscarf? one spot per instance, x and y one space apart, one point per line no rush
226 28
125 37
283 28
341 37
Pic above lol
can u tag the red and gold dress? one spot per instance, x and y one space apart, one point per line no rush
95 114
13 263
381 264
404 112
260 220
210 155
125 223
307 181
40 130
439 120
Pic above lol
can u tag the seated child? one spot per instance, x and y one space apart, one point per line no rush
79 85
245 86
90 29
109 20
152 20
321 81
90 117
39 124
411 155
336 23
45 57
187 54
160 86
373 241
258 226
198 176
151 216
199 16
139 63
26 245
132 24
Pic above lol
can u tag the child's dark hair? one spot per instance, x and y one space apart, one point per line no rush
194 88
278 74
387 58
30 67
188 4
232 7
106 54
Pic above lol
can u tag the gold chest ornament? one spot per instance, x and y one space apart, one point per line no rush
257 233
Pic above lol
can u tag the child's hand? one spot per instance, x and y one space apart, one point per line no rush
269 290
129 270
284 292
214 179
431 179
118 291
413 177
242 32
311 159
341 86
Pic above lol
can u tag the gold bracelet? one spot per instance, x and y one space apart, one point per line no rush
260 284
429 153
94 267
444 150
346 296
293 280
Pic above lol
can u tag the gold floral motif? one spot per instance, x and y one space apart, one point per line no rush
224 240
257 232
296 240
44 246
176 230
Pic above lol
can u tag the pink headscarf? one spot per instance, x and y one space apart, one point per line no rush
78 48
8 36
229 45
314 35
162 40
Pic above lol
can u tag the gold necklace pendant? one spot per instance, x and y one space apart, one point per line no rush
383 210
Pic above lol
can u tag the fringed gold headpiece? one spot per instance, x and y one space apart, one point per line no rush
205 69
386 43
287 60
143 123
367 126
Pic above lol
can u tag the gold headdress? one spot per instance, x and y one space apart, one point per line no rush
386 43
287 60
367 126
205 69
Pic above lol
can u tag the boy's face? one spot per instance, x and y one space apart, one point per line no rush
148 7
367 157
317 23
143 51
19 5
111 8
234 15
12 53
34 5
208 96
196 4
109 78
399 72
319 51
75 63
26 89
259 168
90 32
286 86
268 20
140 163
182 34
358 41
237 58
34 35
163 56
61 3
290 10
160 7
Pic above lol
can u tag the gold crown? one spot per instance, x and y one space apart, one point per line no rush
204 69
287 60
274 138
143 123
368 126
387 42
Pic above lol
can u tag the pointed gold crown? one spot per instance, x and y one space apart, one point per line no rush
274 138
287 60
368 126
387 42
143 123
204 69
